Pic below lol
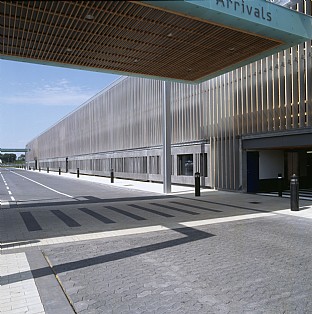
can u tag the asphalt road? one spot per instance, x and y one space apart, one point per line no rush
29 186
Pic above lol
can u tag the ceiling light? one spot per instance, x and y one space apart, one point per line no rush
89 17
170 35
136 61
69 50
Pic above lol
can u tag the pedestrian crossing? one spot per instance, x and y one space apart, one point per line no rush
37 220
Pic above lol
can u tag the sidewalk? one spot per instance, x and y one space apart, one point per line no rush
124 183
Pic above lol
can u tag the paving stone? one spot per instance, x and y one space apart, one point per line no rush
144 294
81 306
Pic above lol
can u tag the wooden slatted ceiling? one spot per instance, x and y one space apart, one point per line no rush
123 36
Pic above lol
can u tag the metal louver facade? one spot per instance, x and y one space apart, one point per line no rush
120 128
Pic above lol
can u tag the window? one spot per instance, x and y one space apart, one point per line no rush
203 165
185 165
154 164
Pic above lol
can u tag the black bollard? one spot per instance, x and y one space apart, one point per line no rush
48 169
59 171
280 184
77 172
294 193
197 184
39 169
112 176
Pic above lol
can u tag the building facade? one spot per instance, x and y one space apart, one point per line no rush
239 130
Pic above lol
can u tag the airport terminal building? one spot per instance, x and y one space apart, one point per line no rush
239 130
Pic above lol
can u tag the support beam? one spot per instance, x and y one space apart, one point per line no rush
14 150
166 137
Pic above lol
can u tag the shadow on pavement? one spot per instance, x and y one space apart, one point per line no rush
88 200
190 234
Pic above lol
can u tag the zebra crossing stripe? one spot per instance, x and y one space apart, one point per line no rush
30 221
97 215
70 222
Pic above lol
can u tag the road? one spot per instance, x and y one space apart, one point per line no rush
29 186
95 248
45 206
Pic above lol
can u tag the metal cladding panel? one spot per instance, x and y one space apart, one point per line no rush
272 95
128 115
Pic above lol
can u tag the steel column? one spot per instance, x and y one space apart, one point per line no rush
166 137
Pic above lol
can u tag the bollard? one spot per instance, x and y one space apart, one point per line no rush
112 175
294 193
47 169
59 171
280 185
39 169
77 172
197 184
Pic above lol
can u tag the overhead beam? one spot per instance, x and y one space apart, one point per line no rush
14 150
262 18
183 41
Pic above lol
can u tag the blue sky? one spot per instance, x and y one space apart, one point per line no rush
33 97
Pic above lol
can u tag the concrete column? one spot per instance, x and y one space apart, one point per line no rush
166 137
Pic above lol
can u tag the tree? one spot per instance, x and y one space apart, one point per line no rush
21 157
8 158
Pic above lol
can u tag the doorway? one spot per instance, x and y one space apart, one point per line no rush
299 163
252 172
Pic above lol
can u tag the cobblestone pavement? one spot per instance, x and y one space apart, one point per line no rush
252 266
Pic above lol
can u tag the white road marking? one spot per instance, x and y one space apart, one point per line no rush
43 185
4 204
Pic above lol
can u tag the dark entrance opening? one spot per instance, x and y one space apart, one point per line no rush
299 162
252 172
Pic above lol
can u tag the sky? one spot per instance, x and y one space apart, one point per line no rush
33 97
